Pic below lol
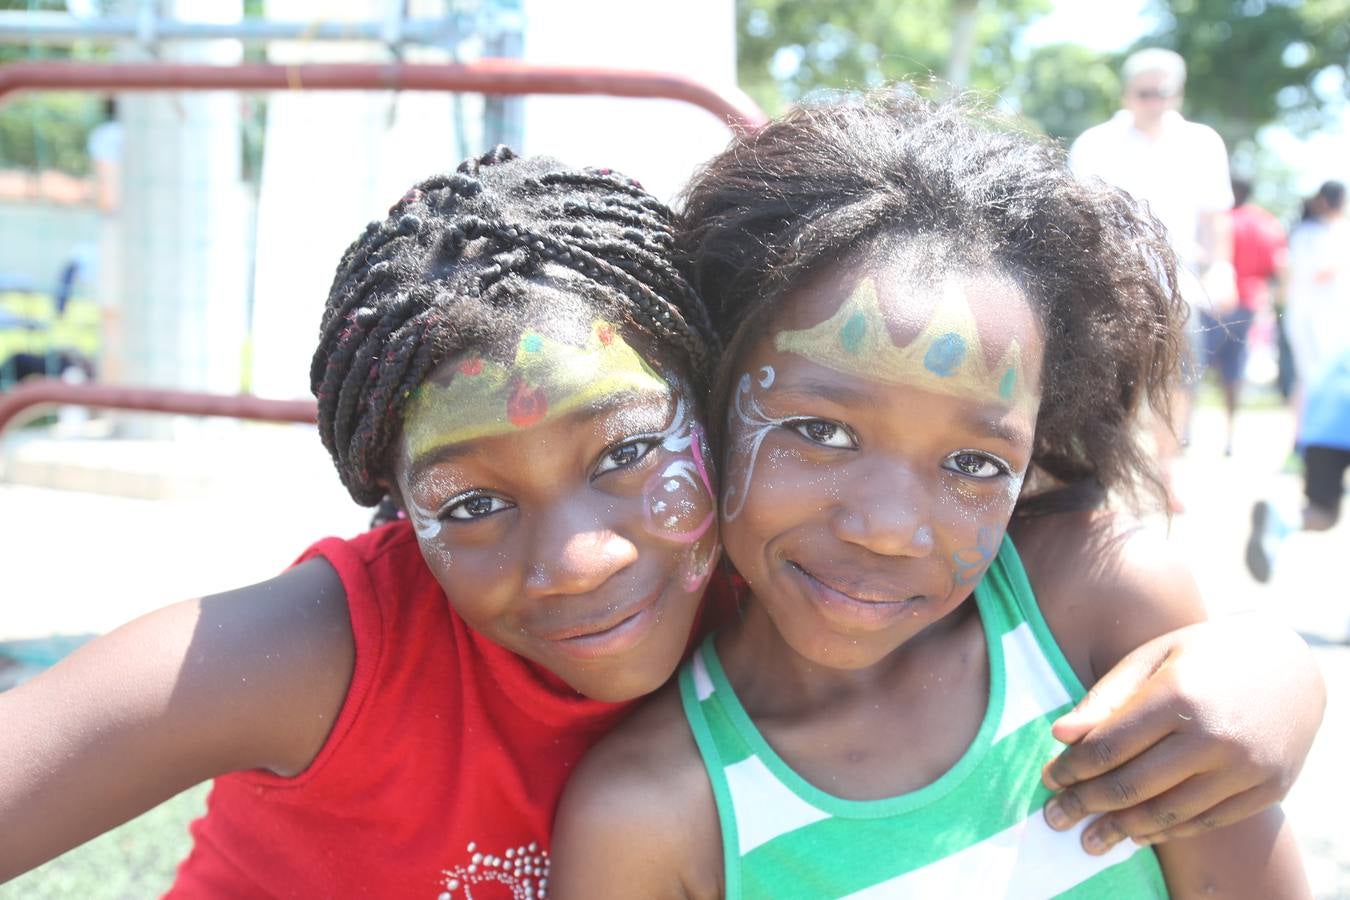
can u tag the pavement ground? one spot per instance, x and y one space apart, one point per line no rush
245 502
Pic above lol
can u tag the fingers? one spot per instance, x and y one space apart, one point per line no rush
1235 809
1185 811
1131 786
1113 691
1131 729
1144 821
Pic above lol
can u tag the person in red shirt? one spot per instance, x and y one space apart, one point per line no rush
1258 257
515 356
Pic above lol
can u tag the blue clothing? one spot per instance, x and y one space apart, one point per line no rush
1326 409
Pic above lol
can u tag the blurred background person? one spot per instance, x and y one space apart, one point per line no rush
1258 258
1180 170
1324 438
1286 377
105 157
1317 304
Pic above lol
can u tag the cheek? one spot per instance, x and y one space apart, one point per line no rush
786 491
971 520
677 501
970 561
960 500
473 578
678 507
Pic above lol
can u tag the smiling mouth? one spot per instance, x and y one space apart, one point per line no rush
864 606
611 635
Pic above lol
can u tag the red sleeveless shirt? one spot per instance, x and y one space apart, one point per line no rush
440 776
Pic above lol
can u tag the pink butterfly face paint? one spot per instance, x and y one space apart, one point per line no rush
677 499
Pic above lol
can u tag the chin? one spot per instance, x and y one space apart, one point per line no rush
608 688
844 656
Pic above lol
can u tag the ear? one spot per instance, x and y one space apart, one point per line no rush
391 488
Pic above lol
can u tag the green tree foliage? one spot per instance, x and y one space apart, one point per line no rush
788 48
1252 62
1067 88
46 130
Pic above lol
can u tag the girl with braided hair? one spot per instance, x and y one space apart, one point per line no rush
514 358
937 344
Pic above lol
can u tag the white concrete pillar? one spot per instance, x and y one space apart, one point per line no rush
332 162
184 263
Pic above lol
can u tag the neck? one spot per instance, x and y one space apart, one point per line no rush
772 679
1151 127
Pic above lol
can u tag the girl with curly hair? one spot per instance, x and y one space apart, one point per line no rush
937 344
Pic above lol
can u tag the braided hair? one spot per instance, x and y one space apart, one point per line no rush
451 269
828 185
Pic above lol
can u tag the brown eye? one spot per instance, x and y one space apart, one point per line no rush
624 455
976 465
476 507
827 434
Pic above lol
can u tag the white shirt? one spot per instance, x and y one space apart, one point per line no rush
1317 318
1181 174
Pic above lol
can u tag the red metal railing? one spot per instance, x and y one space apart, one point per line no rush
489 76
37 393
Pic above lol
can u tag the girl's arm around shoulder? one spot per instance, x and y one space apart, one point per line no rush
252 678
1107 585
638 818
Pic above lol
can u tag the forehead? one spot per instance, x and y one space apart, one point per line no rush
1152 79
550 372
887 315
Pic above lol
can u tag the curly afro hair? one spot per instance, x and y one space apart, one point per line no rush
828 183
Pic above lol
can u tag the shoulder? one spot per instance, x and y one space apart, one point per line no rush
287 646
1202 139
382 573
248 679
1105 583
1094 138
646 781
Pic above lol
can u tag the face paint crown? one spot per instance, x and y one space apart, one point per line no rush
547 378
945 358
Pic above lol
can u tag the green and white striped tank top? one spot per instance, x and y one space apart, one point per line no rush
975 832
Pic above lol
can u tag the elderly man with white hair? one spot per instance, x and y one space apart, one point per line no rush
1180 170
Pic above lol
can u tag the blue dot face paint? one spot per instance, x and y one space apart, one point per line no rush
945 354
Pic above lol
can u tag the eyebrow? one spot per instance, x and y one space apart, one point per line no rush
597 408
810 388
986 419
992 420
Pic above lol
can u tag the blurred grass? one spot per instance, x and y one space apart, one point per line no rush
77 329
137 860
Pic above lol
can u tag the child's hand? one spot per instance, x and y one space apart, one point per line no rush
1194 730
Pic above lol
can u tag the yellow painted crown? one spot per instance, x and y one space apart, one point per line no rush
548 378
946 357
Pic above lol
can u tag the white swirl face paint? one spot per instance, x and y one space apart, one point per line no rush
677 500
748 425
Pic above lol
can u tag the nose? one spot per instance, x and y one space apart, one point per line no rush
574 553
888 512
